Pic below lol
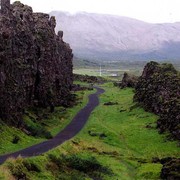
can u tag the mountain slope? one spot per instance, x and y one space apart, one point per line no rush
115 37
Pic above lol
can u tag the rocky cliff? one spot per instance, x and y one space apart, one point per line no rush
158 90
35 63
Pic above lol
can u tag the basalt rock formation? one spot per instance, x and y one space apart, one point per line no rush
158 90
129 81
35 63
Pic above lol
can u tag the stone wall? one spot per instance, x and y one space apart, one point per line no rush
35 63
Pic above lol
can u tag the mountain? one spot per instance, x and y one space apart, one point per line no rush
112 37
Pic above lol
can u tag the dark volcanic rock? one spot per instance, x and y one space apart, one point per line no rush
158 90
88 79
35 63
129 81
5 5
110 103
171 169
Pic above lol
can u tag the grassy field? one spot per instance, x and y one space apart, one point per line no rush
106 72
108 68
118 142
113 69
49 125
87 71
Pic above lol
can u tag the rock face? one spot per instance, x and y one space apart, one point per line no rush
5 5
158 90
171 168
35 63
129 81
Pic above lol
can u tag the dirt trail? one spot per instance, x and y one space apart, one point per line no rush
67 133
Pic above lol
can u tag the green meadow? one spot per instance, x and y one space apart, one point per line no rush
42 123
118 142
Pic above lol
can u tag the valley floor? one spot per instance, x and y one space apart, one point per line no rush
119 141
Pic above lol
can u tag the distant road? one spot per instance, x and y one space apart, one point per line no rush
67 133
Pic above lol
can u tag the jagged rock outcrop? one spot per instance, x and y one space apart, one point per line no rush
129 81
158 90
35 63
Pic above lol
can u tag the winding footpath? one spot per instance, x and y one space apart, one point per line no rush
67 133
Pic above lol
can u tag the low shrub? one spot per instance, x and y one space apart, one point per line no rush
22 168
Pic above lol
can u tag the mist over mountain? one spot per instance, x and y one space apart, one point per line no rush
109 37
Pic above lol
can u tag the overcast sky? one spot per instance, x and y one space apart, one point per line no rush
154 11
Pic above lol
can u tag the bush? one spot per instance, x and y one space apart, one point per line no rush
15 139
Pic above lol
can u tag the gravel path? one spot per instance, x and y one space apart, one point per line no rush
67 133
